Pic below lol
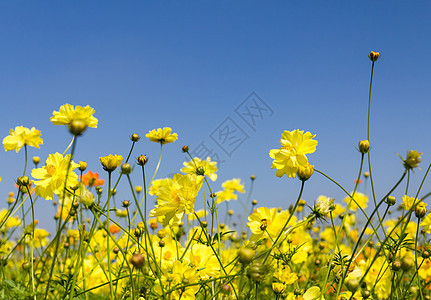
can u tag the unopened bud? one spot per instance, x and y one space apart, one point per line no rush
245 255
305 172
126 168
36 160
23 181
364 146
374 56
413 159
137 260
390 200
135 137
142 160
82 166
185 148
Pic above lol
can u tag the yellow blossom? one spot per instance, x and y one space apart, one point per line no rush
361 200
176 197
207 165
294 145
162 135
111 162
54 174
68 113
21 136
408 202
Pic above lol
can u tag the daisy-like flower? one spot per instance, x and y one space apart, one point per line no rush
111 162
77 118
92 179
209 167
408 202
294 145
177 196
21 136
267 223
162 135
52 176
361 200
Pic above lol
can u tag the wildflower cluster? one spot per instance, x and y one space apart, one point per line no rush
189 244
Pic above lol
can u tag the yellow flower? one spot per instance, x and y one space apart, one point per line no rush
266 222
67 114
111 162
408 202
21 136
207 165
176 196
162 135
11 222
360 199
53 175
294 145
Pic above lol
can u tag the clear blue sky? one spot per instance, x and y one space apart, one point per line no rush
189 65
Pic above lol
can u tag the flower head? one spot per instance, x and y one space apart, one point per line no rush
21 136
198 165
361 200
77 118
92 179
175 196
111 162
162 135
53 175
294 145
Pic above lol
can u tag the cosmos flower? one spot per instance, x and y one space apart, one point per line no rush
68 113
209 167
21 136
294 145
52 176
162 135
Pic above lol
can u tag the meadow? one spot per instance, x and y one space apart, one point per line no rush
364 247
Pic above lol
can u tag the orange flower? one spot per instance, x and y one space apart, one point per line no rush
113 229
92 179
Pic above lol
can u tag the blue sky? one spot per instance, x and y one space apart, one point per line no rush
189 65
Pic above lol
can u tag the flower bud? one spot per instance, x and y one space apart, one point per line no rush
162 243
413 159
253 177
425 254
138 189
226 289
390 200
126 168
36 160
305 172
407 263
396 265
420 210
135 137
366 174
254 202
137 260
245 255
257 272
374 56
77 127
126 203
204 224
82 166
23 181
185 148
142 160
364 146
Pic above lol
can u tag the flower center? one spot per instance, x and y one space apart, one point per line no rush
287 147
50 169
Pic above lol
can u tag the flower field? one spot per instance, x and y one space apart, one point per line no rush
363 247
